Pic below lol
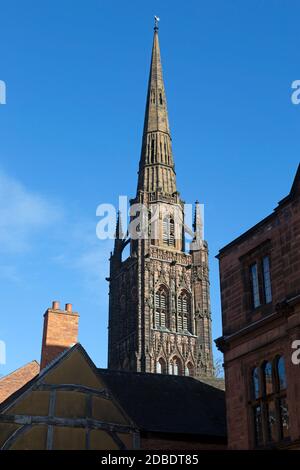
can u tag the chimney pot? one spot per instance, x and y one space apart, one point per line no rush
55 305
69 307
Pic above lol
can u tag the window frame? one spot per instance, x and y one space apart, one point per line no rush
255 285
168 231
175 362
183 317
160 320
162 366
265 400
267 283
247 260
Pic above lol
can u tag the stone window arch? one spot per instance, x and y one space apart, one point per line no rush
184 311
175 366
168 230
161 366
161 307
189 370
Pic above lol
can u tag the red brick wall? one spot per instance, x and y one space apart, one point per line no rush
12 382
283 231
273 328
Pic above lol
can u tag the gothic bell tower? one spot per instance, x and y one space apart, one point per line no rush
159 303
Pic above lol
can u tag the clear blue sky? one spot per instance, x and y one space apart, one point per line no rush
70 135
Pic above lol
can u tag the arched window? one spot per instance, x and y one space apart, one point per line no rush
268 378
280 368
175 366
189 369
281 386
256 388
161 301
269 402
168 231
161 366
183 312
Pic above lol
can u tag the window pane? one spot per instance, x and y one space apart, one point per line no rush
258 425
256 383
281 373
255 285
267 279
268 378
271 415
158 367
284 418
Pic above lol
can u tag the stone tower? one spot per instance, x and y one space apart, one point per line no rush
159 304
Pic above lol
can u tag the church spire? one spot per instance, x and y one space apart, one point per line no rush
159 294
156 170
119 230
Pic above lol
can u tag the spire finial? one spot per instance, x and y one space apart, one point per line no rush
198 224
156 20
119 230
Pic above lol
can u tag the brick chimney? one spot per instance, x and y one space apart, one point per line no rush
60 331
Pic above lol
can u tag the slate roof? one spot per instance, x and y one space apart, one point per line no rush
169 403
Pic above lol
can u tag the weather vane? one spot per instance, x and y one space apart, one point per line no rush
156 20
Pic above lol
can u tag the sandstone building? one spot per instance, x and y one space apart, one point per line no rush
260 292
159 309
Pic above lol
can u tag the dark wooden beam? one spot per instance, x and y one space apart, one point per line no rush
69 422
73 388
